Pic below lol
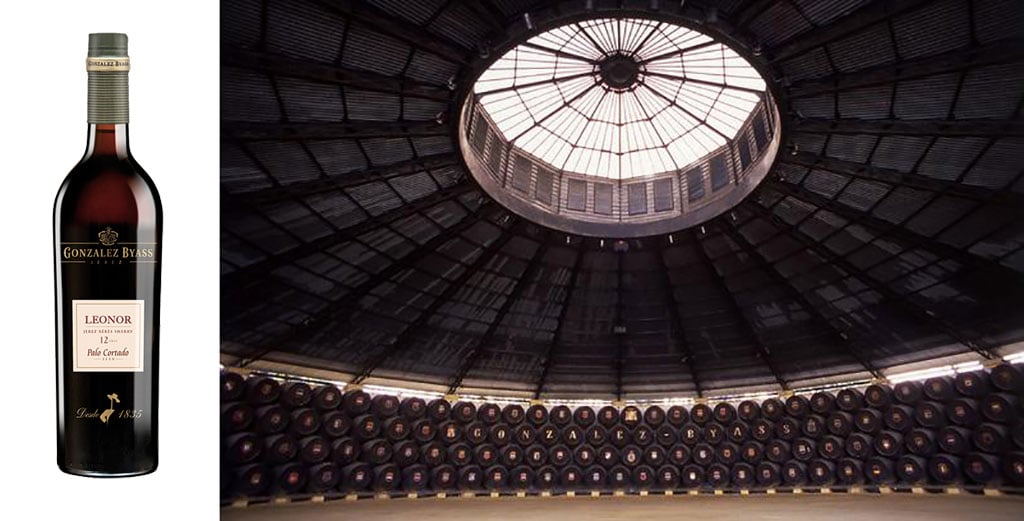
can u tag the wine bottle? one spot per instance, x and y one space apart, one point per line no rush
107 232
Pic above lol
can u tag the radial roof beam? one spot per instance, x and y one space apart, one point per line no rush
903 127
536 83
565 104
620 340
560 53
680 52
404 339
734 306
689 113
488 12
522 282
677 332
350 302
352 129
913 310
707 83
745 14
870 14
841 337
258 269
883 227
397 27
242 290
1004 51
347 180
895 177
280 65
556 337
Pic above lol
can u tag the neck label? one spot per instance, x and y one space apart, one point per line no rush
107 64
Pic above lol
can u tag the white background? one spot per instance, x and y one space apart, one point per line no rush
174 135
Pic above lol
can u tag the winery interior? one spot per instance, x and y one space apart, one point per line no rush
499 259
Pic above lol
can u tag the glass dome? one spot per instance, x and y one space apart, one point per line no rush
619 98
619 127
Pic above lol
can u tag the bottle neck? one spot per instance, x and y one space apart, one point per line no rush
108 95
106 139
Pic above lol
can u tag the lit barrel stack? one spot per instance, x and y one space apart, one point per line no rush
292 438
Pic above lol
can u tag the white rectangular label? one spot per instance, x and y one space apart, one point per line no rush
108 335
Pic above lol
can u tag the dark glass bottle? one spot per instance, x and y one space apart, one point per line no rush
107 233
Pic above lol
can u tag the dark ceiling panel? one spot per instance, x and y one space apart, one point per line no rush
936 28
248 96
302 29
240 22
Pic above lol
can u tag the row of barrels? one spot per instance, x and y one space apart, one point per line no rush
291 437
995 395
989 433
246 448
942 469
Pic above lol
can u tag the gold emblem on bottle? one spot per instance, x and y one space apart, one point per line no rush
113 398
108 237
109 414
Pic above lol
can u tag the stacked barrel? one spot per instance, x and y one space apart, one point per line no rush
292 438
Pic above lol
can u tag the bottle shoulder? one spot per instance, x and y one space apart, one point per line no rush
107 188
109 170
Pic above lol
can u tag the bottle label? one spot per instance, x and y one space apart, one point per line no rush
108 335
108 249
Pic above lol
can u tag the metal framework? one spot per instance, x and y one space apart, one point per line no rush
750 10
677 331
253 271
403 339
277 131
886 228
398 28
329 184
841 337
890 295
826 238
620 342
619 98
915 127
343 307
1006 51
524 280
876 11
488 12
734 306
286 66
1012 200
863 275
556 337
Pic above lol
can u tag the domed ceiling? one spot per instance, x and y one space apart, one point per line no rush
356 240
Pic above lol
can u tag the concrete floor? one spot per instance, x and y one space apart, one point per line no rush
902 507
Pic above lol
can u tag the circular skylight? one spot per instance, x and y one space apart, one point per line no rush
619 127
619 98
